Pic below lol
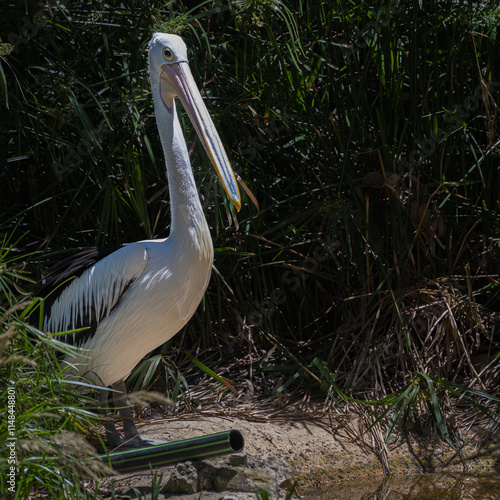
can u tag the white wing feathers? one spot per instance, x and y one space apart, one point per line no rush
89 298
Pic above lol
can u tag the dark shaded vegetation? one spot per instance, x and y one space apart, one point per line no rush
367 132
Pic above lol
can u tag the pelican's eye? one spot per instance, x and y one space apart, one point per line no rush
168 54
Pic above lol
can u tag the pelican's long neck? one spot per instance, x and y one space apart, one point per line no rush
187 212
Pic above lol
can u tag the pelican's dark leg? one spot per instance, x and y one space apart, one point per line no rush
132 437
112 437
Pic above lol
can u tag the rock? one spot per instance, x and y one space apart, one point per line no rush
184 479
267 472
190 477
206 476
238 459
244 479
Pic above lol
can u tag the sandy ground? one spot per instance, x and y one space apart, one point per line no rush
321 452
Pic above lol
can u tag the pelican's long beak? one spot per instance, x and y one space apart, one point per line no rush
179 77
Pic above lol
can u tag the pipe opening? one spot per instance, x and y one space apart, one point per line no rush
236 441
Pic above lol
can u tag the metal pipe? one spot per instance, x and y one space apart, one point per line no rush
212 445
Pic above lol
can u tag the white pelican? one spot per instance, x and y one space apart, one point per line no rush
136 296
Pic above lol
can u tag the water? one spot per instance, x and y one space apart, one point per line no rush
438 486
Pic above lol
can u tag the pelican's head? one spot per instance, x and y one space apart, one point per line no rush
168 63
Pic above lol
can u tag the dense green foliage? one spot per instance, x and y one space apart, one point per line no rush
43 418
367 132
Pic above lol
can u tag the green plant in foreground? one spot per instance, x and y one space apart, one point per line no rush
428 395
156 482
265 495
49 418
44 419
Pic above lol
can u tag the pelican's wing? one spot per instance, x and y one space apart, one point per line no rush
84 289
